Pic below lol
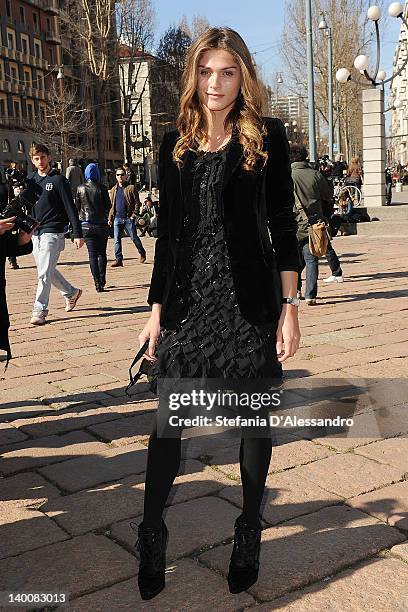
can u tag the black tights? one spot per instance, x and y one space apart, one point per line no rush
163 464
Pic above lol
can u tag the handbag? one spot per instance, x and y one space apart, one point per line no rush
319 234
144 367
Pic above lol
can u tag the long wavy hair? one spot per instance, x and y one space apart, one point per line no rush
244 119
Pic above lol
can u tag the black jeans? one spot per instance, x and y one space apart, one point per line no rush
96 240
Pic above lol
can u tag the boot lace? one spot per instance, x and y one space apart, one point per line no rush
150 546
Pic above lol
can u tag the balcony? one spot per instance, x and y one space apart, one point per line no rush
5 86
52 7
52 37
13 123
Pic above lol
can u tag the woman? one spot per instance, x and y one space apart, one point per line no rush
220 305
355 173
93 204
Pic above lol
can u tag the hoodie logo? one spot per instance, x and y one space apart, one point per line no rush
49 187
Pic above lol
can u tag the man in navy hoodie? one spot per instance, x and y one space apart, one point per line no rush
50 194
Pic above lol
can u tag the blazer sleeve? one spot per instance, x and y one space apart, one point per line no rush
158 280
280 199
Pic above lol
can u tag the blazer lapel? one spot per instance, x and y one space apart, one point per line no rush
235 155
186 174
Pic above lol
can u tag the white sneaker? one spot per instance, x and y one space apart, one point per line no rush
38 318
71 302
311 301
334 279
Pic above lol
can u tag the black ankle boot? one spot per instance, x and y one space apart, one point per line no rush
152 545
103 281
98 285
244 564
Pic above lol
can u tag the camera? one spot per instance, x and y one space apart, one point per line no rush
18 207
15 177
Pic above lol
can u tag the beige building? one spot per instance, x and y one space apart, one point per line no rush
149 97
29 52
399 91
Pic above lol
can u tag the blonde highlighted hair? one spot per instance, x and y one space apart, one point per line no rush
244 119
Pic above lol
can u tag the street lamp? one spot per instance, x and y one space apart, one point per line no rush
310 82
325 28
373 109
361 62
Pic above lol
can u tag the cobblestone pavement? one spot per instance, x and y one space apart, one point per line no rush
73 452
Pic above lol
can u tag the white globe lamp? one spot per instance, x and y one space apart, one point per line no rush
396 9
342 75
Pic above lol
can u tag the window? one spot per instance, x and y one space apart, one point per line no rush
42 112
25 44
8 8
6 146
40 80
30 111
37 49
35 22
17 108
3 107
27 77
14 73
20 146
1 70
22 14
48 24
51 54
11 39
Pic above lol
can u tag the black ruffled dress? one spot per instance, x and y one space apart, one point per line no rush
213 340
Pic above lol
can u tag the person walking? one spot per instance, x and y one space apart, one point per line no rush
93 204
51 197
125 204
130 175
218 311
74 175
312 194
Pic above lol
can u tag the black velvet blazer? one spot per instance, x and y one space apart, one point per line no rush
259 222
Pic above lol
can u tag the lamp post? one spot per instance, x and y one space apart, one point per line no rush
310 82
327 29
373 110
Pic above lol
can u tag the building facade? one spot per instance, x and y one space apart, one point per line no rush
399 91
30 51
149 106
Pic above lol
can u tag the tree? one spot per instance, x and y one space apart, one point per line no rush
348 21
135 26
198 25
173 47
61 124
91 24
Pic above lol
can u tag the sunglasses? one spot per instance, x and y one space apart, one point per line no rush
144 367
120 174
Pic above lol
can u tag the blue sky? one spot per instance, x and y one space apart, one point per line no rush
258 21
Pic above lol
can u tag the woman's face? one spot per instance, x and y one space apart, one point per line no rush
219 80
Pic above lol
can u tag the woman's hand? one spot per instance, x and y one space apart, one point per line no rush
151 332
288 333
6 225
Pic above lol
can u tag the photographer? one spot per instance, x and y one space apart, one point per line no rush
15 183
10 245
50 194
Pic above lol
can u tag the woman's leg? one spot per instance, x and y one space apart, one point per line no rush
91 245
163 462
254 459
102 258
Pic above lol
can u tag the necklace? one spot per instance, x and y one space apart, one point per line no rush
225 141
